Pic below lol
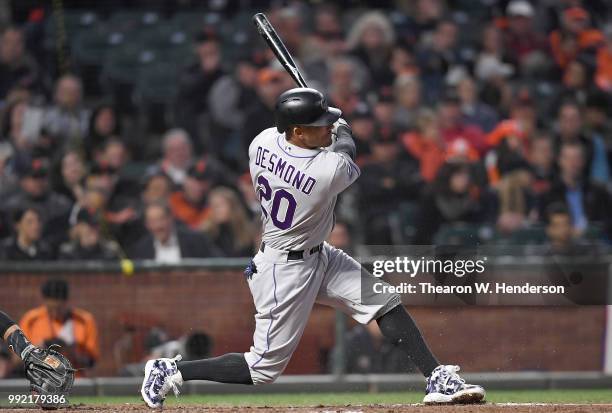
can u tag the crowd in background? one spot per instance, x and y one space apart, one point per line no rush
493 115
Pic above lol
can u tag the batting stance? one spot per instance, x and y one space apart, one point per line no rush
48 371
298 170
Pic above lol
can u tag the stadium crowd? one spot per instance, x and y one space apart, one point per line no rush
473 115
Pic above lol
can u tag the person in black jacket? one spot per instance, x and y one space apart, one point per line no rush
195 83
87 242
34 190
168 243
26 244
451 198
587 201
386 181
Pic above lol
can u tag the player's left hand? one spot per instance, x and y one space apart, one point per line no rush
338 126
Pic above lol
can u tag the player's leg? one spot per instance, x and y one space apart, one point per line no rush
283 293
349 288
399 327
12 335
344 288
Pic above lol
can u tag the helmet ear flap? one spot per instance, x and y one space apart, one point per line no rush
280 124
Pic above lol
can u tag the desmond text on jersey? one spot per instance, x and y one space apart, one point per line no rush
287 172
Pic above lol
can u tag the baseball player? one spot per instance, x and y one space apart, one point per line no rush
298 172
48 371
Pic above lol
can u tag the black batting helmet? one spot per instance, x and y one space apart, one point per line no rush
304 107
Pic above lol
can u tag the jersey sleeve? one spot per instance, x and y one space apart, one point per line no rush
346 171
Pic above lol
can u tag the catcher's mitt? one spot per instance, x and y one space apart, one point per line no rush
49 372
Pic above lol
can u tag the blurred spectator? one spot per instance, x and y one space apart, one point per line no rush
288 22
597 121
13 129
561 237
541 158
491 60
423 20
57 322
190 204
345 84
66 120
34 190
474 111
27 244
517 205
570 129
122 193
104 123
271 82
383 106
492 71
574 37
603 75
523 44
70 181
437 57
371 40
233 93
407 92
227 224
193 346
426 145
157 187
249 197
325 43
510 140
451 198
585 200
8 176
364 128
195 83
115 153
369 352
454 127
574 86
166 242
87 242
386 181
403 62
17 67
196 345
177 155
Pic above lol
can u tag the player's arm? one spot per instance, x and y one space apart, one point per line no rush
344 139
13 336
48 371
346 170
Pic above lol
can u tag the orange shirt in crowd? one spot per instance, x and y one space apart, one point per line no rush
428 152
603 76
39 327
589 38
186 212
503 130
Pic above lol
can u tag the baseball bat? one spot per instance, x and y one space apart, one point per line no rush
275 43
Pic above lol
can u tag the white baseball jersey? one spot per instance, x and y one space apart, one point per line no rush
298 188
